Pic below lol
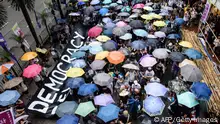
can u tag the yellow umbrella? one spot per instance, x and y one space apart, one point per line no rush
146 17
103 38
159 23
75 72
28 56
186 62
186 44
101 55
41 50
148 8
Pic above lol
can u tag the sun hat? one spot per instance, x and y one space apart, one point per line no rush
124 93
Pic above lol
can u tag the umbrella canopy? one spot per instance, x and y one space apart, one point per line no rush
140 32
127 36
160 34
66 108
103 11
9 97
153 106
186 44
95 43
74 14
177 86
89 10
107 1
152 42
116 57
136 24
188 99
78 63
5 67
126 9
95 31
119 7
148 61
106 20
110 25
108 113
130 66
110 45
159 23
101 55
177 56
119 31
173 36
151 36
191 73
179 21
80 3
123 14
103 99
98 64
103 38
134 15
187 62
13 82
160 53
108 32
194 54
75 72
148 8
32 71
201 90
146 17
78 54
113 5
95 49
85 108
28 56
68 119
155 89
138 45
125 51
87 89
94 2
75 82
167 30
102 79
138 6
156 16
121 24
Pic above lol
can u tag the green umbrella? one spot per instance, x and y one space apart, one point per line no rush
188 99
85 108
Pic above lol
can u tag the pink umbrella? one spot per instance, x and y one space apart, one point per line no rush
148 61
103 99
94 31
138 6
121 24
32 71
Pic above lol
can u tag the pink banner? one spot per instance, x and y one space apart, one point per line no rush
206 12
7 117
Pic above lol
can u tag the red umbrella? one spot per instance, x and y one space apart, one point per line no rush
32 71
95 31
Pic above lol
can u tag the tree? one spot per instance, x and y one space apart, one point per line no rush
3 15
43 16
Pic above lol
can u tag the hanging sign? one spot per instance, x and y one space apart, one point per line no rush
206 12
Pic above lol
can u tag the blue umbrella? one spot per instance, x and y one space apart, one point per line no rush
68 119
103 11
126 9
110 45
9 97
113 5
81 3
66 108
97 7
140 32
95 49
108 32
194 54
94 2
78 54
107 1
75 82
201 91
176 56
87 89
110 25
138 44
153 106
78 63
173 36
152 42
179 21
106 20
84 48
108 113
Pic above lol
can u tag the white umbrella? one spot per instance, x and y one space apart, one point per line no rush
127 36
161 53
160 34
148 61
191 73
151 36
130 66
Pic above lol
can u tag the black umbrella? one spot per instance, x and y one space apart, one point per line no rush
109 46
89 10
136 24
56 28
152 42
167 30
119 7
177 56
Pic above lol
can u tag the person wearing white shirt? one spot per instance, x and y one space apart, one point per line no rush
155 79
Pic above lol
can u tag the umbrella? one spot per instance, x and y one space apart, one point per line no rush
110 45
107 2
192 53
155 89
138 6
103 99
177 56
160 34
98 64
152 42
74 14
191 73
9 97
118 31
188 99
160 53
103 38
119 2
148 61
113 5
137 11
68 119
151 36
167 30
156 16
102 79
140 32
110 25
136 24
108 32
201 90
32 71
119 7
116 57
126 36
66 108
78 63
138 45
106 20
75 82
5 67
126 9
89 10
95 31
43 50
101 55
78 54
95 43
125 51
28 56
135 15
146 17
84 48
185 44
108 113
85 108
149 4
103 11
148 8
168 8
97 7
159 23
121 24
177 86
95 49
130 66
187 62
80 3
94 2
179 21
75 72
153 106
123 14
87 89
173 36
13 82
56 28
